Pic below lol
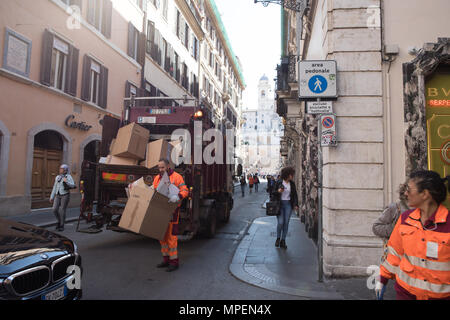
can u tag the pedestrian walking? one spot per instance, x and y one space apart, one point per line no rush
169 245
243 183
60 195
285 191
250 183
256 182
384 225
419 247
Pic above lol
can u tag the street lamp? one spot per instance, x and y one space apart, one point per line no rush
295 5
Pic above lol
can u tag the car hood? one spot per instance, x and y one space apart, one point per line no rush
19 241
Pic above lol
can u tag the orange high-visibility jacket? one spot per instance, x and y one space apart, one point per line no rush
419 258
177 180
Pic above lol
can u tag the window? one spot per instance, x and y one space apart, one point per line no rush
176 67
186 36
100 15
137 44
139 3
165 8
95 82
195 48
59 64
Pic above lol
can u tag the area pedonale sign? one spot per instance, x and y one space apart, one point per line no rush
317 79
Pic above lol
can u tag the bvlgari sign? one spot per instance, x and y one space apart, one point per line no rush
76 125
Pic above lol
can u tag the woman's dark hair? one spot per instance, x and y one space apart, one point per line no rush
431 181
286 172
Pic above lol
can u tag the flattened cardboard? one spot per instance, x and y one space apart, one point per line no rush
147 212
131 142
156 150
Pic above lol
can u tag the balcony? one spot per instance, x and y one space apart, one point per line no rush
286 73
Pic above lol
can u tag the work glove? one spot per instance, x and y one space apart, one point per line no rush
379 290
174 199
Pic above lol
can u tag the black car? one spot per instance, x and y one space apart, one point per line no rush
37 264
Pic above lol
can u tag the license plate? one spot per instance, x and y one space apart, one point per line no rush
55 295
146 120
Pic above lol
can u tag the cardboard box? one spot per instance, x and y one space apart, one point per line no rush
121 161
147 212
131 142
156 150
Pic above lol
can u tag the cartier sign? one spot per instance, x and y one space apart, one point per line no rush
76 125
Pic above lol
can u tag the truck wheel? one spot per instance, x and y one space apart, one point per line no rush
210 223
226 212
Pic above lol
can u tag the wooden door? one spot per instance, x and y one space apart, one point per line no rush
45 168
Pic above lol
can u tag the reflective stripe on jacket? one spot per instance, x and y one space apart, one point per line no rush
411 259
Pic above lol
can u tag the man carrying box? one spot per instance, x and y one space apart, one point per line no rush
170 242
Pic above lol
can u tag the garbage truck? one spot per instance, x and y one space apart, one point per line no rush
210 183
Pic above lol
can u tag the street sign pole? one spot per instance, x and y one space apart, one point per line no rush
320 213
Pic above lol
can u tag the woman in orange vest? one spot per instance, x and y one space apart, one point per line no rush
169 244
419 247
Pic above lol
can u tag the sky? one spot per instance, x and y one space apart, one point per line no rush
255 35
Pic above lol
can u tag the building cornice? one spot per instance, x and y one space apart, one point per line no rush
191 19
218 27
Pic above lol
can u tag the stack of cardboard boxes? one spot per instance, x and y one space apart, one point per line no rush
131 147
147 211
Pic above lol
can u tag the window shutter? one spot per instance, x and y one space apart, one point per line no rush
91 12
182 30
156 46
103 87
141 49
131 31
86 80
160 47
150 37
72 71
46 58
107 18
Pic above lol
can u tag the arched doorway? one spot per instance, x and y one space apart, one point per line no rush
91 151
47 157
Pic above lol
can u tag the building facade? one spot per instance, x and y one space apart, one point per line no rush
63 69
68 63
261 133
392 115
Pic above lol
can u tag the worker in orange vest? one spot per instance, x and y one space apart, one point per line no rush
419 247
250 182
169 245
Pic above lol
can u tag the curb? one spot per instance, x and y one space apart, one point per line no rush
251 274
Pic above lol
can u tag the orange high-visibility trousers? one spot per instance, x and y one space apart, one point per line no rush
169 244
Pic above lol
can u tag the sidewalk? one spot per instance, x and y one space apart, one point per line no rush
45 218
293 271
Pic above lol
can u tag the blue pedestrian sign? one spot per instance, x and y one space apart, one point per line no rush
318 84
317 79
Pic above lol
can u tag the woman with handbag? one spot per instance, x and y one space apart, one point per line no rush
285 191
61 194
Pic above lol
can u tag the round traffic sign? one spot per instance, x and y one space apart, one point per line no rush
318 84
328 122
